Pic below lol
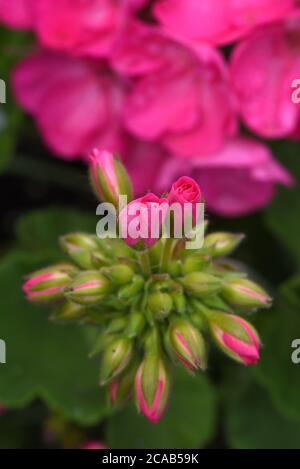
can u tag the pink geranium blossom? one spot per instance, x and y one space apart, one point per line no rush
184 100
237 180
76 108
17 14
218 21
263 68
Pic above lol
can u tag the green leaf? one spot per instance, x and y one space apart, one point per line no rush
276 371
44 360
282 216
39 230
188 422
252 422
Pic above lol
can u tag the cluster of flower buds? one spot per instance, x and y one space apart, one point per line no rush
155 302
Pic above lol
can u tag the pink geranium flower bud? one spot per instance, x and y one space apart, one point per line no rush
141 220
152 387
236 337
48 284
187 345
109 177
186 192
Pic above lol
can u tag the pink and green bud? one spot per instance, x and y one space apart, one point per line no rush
121 388
245 294
201 284
115 359
152 387
160 304
48 284
187 345
119 274
88 288
108 177
222 243
236 337
79 247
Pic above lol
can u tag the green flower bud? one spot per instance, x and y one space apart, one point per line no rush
136 324
245 294
115 359
188 345
222 244
69 311
160 304
88 288
120 274
79 247
99 260
179 301
109 177
195 263
201 284
117 325
175 268
129 291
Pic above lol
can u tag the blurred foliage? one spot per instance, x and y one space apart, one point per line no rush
44 360
12 47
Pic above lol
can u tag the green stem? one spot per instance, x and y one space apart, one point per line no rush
145 262
166 255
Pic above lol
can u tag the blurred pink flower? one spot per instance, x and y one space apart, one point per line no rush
263 68
184 100
77 27
237 180
218 21
93 445
76 108
16 14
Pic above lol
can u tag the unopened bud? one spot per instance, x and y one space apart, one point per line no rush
160 304
129 292
179 301
222 244
122 387
187 345
152 387
69 311
48 284
120 274
136 324
88 288
115 359
201 284
195 263
109 177
236 337
245 293
79 247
